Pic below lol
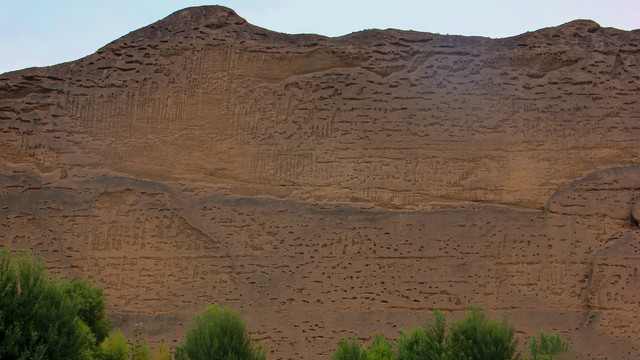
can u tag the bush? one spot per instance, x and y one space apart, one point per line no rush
37 318
547 346
88 340
427 342
218 334
117 347
477 338
162 352
43 317
349 350
474 337
114 347
139 349
91 305
380 349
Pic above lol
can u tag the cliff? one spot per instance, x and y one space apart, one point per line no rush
329 186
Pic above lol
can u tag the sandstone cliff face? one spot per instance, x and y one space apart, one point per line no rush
329 186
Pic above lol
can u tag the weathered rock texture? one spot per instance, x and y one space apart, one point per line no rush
330 186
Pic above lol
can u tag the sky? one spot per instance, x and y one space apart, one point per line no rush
47 32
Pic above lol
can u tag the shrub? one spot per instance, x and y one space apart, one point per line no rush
117 347
477 338
413 345
139 349
37 318
88 340
90 302
380 349
218 334
547 346
162 352
114 347
427 342
349 350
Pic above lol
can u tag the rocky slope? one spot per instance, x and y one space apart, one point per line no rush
329 186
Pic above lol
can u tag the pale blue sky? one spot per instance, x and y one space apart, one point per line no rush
46 32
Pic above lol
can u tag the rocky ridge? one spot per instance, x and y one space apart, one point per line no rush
334 185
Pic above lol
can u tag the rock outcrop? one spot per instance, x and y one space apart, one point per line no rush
330 186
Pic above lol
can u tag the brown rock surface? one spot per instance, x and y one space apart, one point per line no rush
330 186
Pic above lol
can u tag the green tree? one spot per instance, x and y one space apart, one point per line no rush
162 352
425 343
547 346
88 340
37 318
349 350
476 337
90 302
218 334
114 347
117 347
380 349
139 349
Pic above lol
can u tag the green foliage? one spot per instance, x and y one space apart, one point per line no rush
547 346
435 330
474 337
414 345
349 350
139 348
380 349
162 352
88 340
117 347
90 302
219 333
427 342
477 338
37 318
114 347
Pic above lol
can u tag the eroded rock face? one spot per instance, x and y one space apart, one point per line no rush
330 186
